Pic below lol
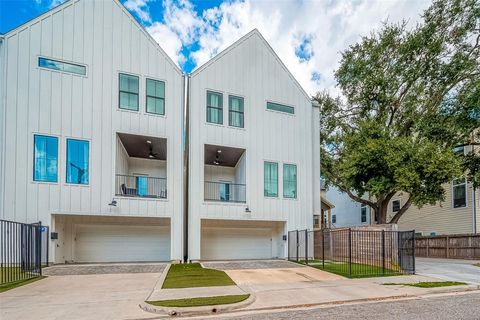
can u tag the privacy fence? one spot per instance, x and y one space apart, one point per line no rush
354 252
21 254
458 246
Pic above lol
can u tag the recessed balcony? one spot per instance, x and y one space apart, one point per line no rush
141 166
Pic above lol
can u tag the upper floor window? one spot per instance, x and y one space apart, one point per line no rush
214 107
235 111
155 96
459 150
62 66
280 107
334 218
77 161
45 155
270 179
128 92
290 181
363 213
395 205
460 193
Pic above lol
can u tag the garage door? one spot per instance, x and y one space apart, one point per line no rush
236 243
115 243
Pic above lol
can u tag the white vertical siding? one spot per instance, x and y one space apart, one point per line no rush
103 36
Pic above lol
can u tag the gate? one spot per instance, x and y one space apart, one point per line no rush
406 251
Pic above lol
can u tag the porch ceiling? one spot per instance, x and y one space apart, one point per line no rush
228 157
137 146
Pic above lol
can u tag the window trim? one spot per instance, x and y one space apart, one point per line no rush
89 162
465 183
207 107
63 61
296 181
242 113
278 180
120 91
58 158
164 98
399 205
282 104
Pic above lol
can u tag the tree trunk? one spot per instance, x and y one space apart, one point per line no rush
382 213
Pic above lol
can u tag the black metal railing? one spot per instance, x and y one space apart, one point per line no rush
20 251
140 186
354 253
224 192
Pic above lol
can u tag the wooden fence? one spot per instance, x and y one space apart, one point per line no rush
458 246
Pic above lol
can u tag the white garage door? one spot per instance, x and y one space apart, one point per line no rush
236 243
115 243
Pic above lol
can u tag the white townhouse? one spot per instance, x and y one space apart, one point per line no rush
254 162
125 158
92 112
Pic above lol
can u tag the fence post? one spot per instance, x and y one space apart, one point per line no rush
413 249
323 249
306 246
448 246
350 251
383 251
297 245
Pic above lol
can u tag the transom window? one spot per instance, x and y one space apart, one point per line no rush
270 179
396 205
460 193
45 155
128 92
280 107
155 96
235 111
62 66
77 161
290 181
214 107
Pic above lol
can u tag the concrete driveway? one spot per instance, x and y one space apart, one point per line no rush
99 296
449 269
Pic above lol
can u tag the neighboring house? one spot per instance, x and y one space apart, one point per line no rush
92 144
347 212
459 213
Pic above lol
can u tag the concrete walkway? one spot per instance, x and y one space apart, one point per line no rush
449 269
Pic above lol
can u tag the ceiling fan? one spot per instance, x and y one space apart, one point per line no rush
217 158
151 154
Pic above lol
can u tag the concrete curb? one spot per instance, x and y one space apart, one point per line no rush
191 311
160 280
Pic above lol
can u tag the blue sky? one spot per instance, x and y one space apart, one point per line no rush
308 35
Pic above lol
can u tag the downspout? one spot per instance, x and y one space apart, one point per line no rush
186 148
474 210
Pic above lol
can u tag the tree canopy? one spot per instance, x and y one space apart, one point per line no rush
409 97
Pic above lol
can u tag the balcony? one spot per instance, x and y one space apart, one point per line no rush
224 174
141 167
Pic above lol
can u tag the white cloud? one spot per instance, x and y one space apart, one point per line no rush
140 7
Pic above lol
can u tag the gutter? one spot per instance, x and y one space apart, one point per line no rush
186 150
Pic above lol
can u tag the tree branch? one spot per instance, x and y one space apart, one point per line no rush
405 207
358 199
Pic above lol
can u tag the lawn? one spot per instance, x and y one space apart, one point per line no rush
358 270
433 284
198 302
478 264
189 275
12 285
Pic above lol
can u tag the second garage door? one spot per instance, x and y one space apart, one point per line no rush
121 243
236 243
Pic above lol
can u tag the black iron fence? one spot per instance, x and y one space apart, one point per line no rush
140 186
224 191
21 250
354 252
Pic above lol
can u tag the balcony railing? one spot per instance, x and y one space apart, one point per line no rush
225 192
140 186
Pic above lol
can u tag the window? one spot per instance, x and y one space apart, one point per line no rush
396 205
62 66
459 193
128 92
155 96
363 211
316 221
142 186
225 191
459 150
77 161
270 179
45 155
214 107
280 107
334 218
235 111
290 181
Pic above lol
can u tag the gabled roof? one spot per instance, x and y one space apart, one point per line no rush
117 2
257 33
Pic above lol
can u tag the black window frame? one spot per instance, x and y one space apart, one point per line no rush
154 97
230 111
120 74
363 213
216 108
394 207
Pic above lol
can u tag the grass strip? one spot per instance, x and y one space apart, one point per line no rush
358 270
432 284
12 285
191 275
199 302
